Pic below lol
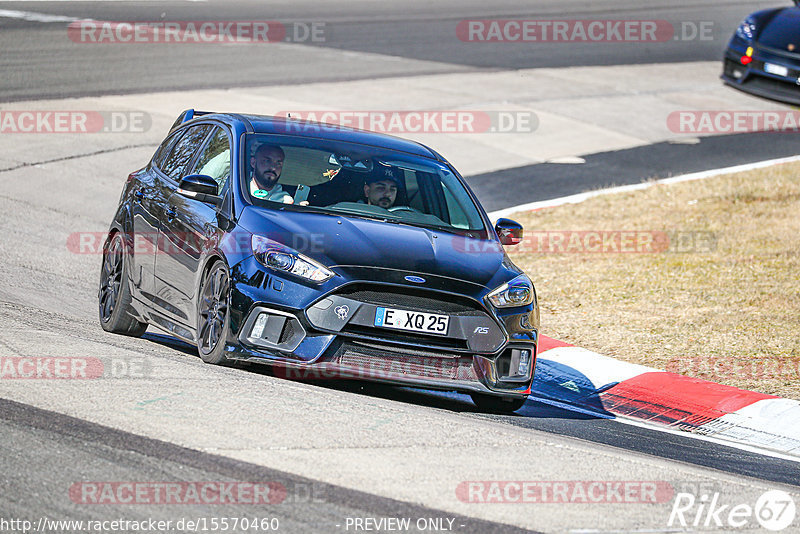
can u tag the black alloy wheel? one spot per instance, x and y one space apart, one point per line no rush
114 296
212 317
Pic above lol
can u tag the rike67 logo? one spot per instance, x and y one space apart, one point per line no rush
774 511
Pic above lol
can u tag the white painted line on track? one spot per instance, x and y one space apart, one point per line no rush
34 17
104 1
582 197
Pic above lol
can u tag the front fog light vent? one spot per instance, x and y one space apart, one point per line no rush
515 364
272 329
268 327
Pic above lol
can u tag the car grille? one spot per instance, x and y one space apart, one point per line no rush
412 338
383 362
413 299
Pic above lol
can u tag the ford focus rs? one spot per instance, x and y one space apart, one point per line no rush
324 252
763 56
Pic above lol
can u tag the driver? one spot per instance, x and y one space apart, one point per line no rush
267 165
381 187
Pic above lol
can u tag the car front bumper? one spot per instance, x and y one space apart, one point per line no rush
485 351
754 79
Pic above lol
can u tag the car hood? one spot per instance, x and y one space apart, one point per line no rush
343 241
782 30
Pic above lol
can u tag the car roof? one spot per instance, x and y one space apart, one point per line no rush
291 127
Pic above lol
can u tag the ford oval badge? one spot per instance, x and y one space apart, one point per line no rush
415 279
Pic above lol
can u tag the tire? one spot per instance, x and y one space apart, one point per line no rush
497 405
213 319
114 295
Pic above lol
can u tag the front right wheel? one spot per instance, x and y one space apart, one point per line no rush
497 405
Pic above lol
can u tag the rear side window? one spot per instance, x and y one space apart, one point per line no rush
165 149
184 150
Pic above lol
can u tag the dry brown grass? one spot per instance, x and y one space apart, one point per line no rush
731 315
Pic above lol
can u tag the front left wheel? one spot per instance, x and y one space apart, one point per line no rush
114 297
212 318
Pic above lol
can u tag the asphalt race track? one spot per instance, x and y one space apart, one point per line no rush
416 35
339 451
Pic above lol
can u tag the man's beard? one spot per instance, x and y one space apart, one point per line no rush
385 200
265 182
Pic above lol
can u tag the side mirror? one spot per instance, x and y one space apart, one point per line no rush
509 232
200 187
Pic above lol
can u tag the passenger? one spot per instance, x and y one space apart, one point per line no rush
267 164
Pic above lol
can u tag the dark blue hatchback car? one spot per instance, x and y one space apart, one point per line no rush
763 56
325 252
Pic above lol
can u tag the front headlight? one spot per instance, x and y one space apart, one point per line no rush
276 256
747 29
517 292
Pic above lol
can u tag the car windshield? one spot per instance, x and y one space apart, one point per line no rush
357 180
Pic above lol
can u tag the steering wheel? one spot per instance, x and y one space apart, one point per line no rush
402 208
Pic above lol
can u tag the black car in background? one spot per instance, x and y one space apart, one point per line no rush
321 275
763 56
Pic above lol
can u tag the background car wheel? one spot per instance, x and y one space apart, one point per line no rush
212 317
498 405
114 296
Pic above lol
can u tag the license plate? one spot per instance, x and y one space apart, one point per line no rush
780 70
412 321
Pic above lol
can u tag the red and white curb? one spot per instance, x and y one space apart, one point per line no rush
604 386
